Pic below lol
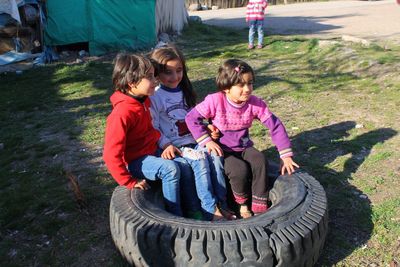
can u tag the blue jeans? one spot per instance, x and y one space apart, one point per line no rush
253 25
216 164
155 168
198 161
190 201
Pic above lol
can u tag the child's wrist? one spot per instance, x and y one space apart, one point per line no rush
166 145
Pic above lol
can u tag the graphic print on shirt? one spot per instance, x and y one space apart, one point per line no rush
176 112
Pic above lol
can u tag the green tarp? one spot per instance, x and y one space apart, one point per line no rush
107 25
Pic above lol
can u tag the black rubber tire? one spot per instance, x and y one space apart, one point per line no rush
291 233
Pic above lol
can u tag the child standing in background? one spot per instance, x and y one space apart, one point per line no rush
255 19
170 104
232 111
130 146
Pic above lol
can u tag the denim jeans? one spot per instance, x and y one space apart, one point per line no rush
155 168
202 177
253 25
189 200
216 164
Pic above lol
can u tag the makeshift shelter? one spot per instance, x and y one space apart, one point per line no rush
110 25
20 26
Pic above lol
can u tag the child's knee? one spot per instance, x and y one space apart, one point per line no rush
171 169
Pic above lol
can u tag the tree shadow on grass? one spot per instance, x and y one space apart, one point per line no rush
44 119
350 221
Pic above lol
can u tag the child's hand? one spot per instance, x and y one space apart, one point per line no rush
142 185
170 151
213 131
287 165
214 147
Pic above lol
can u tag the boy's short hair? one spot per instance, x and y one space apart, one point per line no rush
231 72
130 69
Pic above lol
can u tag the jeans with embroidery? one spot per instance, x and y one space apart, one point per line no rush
253 26
156 168
202 177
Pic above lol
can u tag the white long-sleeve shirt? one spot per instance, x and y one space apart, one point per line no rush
168 110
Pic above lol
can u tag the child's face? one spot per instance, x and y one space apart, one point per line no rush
146 86
241 92
172 75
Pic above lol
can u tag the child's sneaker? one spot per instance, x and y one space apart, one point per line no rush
259 46
250 46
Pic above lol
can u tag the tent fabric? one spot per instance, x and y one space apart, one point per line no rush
171 15
107 25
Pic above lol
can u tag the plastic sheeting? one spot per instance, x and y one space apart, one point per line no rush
107 25
10 7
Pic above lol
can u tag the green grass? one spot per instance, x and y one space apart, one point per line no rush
339 103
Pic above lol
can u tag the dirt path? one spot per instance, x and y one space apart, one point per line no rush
372 20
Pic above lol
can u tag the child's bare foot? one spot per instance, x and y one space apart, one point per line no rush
245 212
218 215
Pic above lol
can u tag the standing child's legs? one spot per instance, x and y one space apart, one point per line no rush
260 33
259 185
252 31
155 168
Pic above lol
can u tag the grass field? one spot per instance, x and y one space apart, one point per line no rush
339 101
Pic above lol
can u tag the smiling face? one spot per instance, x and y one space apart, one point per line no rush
172 74
145 87
241 92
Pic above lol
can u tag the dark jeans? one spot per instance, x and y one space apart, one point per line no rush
247 174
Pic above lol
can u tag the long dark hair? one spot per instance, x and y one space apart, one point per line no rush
167 53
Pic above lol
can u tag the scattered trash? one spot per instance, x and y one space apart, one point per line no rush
295 128
12 253
359 126
195 19
362 196
47 56
164 37
349 38
82 53
80 199
12 57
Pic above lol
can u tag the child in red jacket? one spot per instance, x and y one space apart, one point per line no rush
130 147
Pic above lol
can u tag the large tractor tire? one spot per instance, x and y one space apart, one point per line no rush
291 233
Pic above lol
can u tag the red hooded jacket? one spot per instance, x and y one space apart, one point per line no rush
129 135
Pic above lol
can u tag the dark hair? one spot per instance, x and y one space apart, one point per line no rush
128 69
231 73
167 53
